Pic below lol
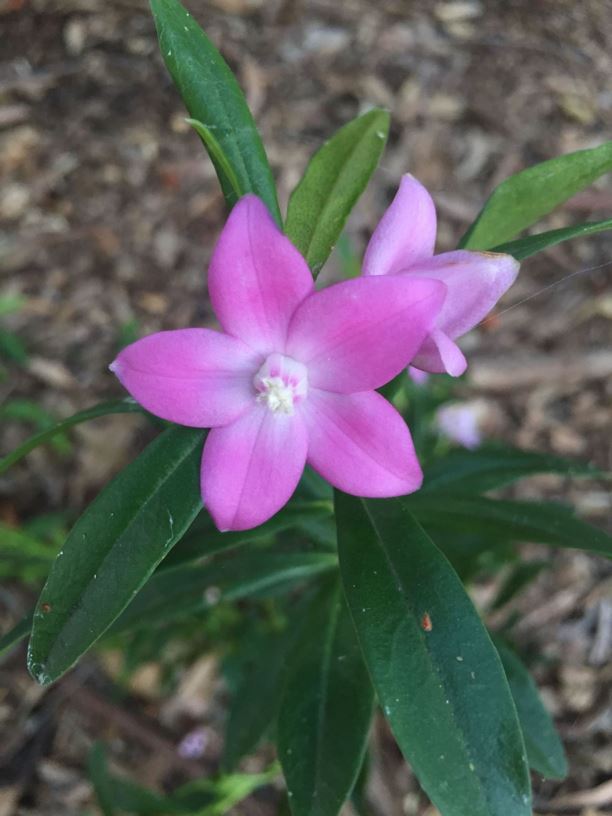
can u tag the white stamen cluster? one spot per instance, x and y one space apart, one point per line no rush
280 383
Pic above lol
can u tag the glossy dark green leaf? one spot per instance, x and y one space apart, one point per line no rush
325 712
113 549
543 522
491 467
334 179
525 247
15 635
526 197
203 539
188 588
255 703
544 748
436 672
213 98
122 406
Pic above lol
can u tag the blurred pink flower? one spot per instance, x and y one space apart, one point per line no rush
291 377
403 243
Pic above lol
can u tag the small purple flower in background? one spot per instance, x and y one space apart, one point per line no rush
291 378
194 744
462 422
403 243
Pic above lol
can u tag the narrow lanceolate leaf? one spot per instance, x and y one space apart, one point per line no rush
334 179
255 704
490 467
121 406
15 635
214 99
113 549
544 748
524 198
546 523
436 672
185 589
325 711
525 247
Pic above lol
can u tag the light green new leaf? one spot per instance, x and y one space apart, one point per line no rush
214 100
490 467
525 247
436 672
202 797
334 179
544 748
526 197
326 710
113 549
121 406
544 522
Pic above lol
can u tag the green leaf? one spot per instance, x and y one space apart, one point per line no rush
113 549
217 154
544 748
12 347
325 712
15 635
185 589
24 557
437 675
122 406
255 703
202 797
214 99
542 522
334 179
525 247
526 197
217 797
203 539
97 768
490 467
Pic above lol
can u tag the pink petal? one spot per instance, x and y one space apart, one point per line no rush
256 277
360 444
358 334
405 234
195 377
439 355
251 467
475 281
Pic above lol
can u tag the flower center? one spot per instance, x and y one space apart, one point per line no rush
280 383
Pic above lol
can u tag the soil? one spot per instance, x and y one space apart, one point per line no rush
109 209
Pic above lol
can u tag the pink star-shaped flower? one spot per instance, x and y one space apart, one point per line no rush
291 377
403 244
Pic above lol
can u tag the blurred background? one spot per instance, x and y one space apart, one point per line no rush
109 209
